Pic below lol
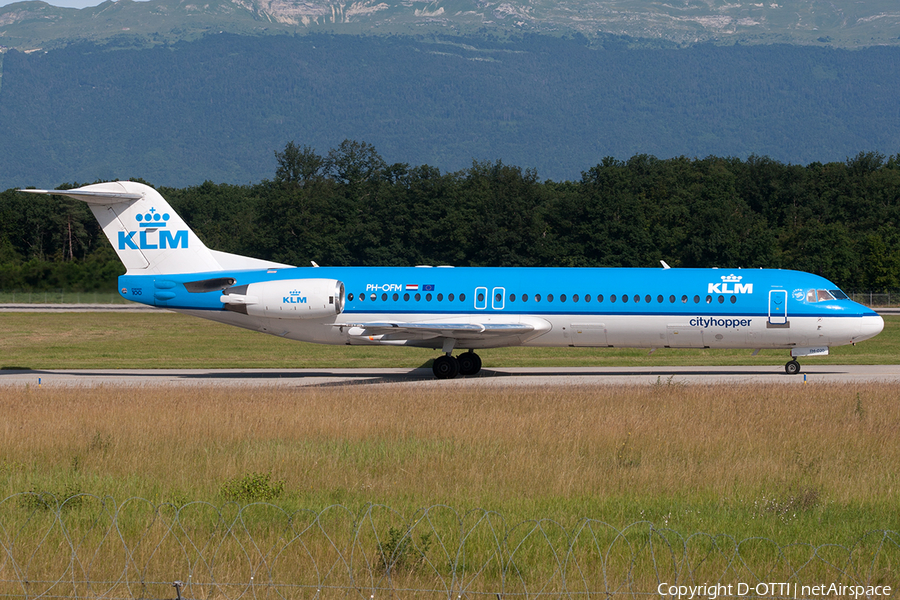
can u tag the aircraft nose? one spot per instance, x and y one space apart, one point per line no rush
870 327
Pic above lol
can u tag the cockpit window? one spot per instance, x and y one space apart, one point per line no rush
822 295
839 295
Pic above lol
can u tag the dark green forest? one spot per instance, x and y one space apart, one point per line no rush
351 207
215 109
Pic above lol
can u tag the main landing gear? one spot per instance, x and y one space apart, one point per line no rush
448 367
792 367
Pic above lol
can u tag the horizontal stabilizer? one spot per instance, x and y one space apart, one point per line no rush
90 196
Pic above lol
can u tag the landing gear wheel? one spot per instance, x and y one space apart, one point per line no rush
792 367
469 363
445 367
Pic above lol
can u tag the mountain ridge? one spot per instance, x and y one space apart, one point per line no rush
35 24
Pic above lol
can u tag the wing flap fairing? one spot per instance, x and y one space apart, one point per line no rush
437 329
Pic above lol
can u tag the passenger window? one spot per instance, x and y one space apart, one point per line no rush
659 299
721 299
480 297
449 297
440 297
647 298
575 298
637 298
462 297
672 299
396 296
524 297
684 299
418 297
512 297
562 298
600 298
708 299
696 299
350 296
587 298
427 297
624 297
373 297
612 298
537 297
549 297
498 298
733 299
406 297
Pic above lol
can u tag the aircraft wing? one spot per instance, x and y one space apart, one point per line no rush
429 329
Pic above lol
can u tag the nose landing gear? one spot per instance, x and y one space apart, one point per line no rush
448 367
792 367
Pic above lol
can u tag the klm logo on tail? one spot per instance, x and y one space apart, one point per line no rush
153 234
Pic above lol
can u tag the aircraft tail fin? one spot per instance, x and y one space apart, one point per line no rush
148 236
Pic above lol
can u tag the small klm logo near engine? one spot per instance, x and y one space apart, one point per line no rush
294 297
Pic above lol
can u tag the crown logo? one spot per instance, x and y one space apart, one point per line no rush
152 218
295 292
731 278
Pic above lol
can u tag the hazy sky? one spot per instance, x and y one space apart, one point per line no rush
66 3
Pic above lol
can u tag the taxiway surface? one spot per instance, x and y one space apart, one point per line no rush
542 376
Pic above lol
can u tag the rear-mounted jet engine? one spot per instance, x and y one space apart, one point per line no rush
287 299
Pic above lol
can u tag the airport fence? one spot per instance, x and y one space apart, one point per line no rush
876 299
92 547
60 297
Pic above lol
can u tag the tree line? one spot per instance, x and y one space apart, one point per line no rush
350 207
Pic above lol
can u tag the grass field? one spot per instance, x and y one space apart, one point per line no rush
170 340
813 464
796 465
817 463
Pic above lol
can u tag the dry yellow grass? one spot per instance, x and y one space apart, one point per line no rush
813 464
521 449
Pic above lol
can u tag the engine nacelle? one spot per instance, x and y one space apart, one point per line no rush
287 299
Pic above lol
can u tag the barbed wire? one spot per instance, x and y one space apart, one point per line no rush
86 546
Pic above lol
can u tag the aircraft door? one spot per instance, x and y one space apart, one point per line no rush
480 298
498 298
777 307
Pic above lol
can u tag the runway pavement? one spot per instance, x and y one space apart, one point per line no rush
538 376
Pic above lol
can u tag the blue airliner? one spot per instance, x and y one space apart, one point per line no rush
450 308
